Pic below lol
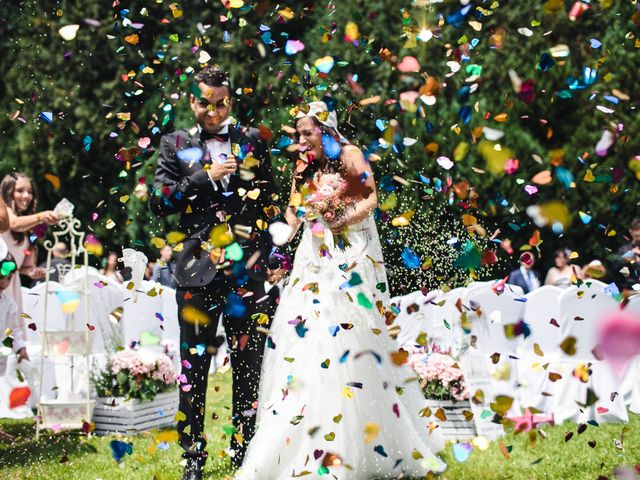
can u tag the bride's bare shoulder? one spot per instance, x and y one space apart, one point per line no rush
352 155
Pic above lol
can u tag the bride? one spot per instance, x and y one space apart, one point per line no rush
333 400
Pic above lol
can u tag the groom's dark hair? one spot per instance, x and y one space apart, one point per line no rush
213 77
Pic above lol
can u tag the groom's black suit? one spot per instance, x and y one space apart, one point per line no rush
182 185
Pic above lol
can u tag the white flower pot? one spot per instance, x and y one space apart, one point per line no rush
117 415
455 427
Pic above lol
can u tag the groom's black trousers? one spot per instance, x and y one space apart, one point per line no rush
198 342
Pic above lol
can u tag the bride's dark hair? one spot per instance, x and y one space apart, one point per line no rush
331 166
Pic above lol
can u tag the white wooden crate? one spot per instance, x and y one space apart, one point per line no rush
455 427
115 415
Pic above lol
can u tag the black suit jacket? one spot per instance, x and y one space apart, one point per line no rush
516 278
183 186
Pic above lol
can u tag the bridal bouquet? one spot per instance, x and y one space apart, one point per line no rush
328 200
136 374
441 378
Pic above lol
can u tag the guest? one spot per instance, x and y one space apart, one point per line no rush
148 271
627 263
525 277
109 269
59 258
163 270
10 324
562 274
17 193
4 216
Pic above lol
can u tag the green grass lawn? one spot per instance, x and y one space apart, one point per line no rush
541 455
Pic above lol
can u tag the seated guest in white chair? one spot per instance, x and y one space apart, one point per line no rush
525 277
9 316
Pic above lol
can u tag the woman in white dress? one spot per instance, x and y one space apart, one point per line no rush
332 398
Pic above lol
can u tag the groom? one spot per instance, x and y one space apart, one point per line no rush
218 177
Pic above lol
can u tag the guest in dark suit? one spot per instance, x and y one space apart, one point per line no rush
218 177
526 277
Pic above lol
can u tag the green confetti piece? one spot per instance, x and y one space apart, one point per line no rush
364 301
234 252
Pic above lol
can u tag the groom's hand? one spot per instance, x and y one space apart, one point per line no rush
220 170
274 275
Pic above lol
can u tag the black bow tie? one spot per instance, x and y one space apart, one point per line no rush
218 137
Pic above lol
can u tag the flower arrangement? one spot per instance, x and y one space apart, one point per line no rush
327 199
441 377
136 374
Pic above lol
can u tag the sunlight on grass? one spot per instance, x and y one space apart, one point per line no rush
541 455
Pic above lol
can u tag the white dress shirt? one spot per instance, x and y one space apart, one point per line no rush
219 152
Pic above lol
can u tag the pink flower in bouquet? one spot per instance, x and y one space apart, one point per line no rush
439 374
329 215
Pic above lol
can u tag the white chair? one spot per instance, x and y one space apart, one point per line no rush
491 314
631 380
541 308
417 320
580 311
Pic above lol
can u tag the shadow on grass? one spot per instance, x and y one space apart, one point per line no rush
23 449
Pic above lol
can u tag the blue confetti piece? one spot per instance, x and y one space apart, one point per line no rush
461 451
86 142
190 155
301 330
564 176
379 449
46 117
334 329
200 349
410 259
595 43
331 147
120 449
546 62
235 306
344 356
266 38
465 114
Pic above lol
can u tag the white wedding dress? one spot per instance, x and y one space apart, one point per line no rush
329 391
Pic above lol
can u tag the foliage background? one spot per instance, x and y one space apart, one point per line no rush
105 93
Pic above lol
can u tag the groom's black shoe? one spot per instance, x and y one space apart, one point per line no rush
194 470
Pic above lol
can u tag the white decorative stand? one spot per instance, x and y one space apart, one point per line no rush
115 415
456 426
71 344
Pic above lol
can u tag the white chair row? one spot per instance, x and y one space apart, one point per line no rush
536 342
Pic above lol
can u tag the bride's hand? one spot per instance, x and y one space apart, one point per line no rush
338 225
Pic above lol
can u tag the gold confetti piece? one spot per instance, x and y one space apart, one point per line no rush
110 224
194 316
337 418
124 198
400 357
254 194
330 437
346 392
537 350
440 415
175 237
220 235
132 39
371 431
53 180
502 404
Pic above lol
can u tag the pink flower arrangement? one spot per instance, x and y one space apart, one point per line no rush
136 374
441 378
